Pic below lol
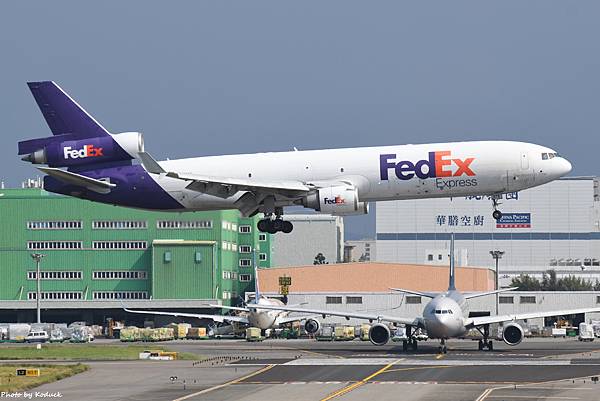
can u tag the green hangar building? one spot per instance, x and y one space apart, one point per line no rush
99 256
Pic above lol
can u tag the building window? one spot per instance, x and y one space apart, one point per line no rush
262 257
430 257
245 263
109 295
508 300
183 224
333 300
168 256
245 277
55 225
262 237
245 249
198 257
245 229
527 299
119 245
31 245
120 275
226 275
119 224
55 275
413 299
354 300
57 295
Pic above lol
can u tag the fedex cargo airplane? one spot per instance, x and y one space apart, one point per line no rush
85 160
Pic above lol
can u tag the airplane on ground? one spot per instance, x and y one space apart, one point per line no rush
99 167
445 316
253 314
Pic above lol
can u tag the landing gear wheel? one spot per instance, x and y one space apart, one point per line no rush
414 344
497 214
404 345
287 227
480 345
263 225
490 345
443 349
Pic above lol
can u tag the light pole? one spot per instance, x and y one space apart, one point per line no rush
497 255
38 258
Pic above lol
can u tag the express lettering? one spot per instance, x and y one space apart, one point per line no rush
438 164
85 151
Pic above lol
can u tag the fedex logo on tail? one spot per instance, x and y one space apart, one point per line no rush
438 164
85 151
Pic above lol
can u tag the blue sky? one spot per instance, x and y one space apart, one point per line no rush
209 78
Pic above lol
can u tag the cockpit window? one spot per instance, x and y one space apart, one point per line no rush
444 312
551 155
450 311
438 312
544 156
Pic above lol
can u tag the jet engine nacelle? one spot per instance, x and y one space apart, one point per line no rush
59 151
311 326
337 200
379 334
512 334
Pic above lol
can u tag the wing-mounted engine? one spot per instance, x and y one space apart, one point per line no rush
70 151
512 334
311 326
337 200
379 334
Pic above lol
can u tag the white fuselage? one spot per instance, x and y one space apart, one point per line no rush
379 173
444 315
266 319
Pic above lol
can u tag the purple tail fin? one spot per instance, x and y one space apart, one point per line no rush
63 114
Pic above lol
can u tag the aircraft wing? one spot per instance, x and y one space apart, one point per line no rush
419 293
371 317
216 318
224 187
237 308
289 319
479 321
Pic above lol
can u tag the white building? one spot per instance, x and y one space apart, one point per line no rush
313 234
555 226
363 250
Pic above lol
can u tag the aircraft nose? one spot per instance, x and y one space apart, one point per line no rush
563 166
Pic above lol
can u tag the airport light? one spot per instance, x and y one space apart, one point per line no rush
497 255
38 258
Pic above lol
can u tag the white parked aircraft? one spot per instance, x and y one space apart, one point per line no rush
445 316
253 315
99 167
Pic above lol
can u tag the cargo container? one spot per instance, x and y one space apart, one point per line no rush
364 332
325 334
344 333
253 334
586 332
197 333
18 331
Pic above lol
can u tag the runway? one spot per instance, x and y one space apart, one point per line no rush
560 369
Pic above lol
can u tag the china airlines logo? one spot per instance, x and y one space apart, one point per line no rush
438 164
85 151
338 200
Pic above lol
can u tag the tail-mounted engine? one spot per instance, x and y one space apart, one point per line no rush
338 200
69 151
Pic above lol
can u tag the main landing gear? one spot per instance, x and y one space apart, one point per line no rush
410 342
273 225
485 342
496 214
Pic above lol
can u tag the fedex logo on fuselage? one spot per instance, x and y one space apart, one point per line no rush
85 151
438 164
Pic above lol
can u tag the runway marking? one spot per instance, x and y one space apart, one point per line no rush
418 368
208 390
353 386
439 356
537 397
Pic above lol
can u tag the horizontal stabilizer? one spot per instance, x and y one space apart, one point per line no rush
419 293
102 187
150 164
482 294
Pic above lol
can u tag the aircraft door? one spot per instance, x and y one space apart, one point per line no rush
524 161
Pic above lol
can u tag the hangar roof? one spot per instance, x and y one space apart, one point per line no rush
374 277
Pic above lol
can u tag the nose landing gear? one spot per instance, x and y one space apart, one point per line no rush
443 349
496 214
